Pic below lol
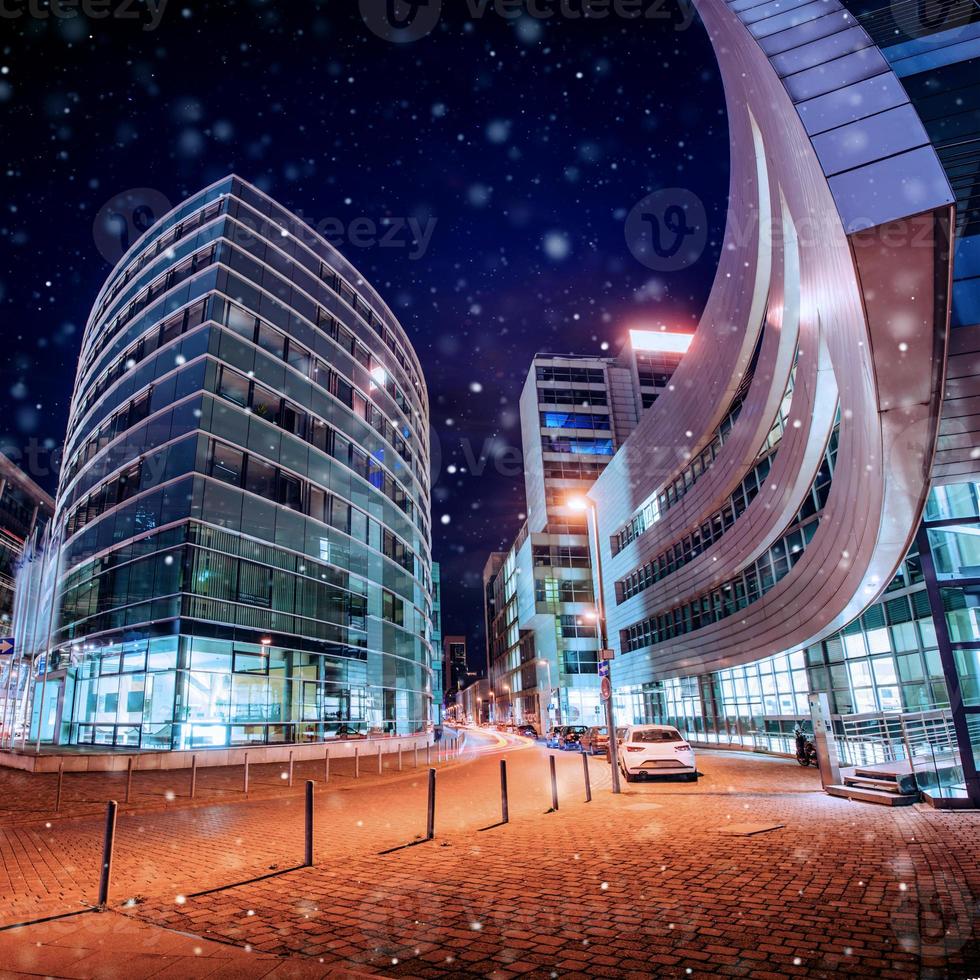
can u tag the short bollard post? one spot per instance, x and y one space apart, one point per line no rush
129 779
357 763
399 756
308 856
504 803
428 753
430 823
416 755
193 776
61 780
110 834
380 761
245 776
326 765
588 781
554 783
290 779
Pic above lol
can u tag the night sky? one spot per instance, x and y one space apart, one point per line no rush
520 144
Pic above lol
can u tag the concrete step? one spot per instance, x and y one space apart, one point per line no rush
873 795
887 785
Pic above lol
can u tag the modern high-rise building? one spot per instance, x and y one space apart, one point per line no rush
542 638
242 537
808 523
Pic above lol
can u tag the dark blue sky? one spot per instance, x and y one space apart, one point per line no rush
520 145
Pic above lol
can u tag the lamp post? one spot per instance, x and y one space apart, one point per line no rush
605 667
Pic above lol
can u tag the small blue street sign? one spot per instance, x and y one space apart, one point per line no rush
6 646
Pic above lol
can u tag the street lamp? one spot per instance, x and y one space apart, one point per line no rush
582 503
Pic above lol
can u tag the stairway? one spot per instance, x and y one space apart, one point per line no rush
876 786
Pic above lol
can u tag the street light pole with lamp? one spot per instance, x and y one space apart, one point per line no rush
605 667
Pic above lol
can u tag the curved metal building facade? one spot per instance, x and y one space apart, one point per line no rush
244 515
771 497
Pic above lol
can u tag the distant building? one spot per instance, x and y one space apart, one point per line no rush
438 687
25 510
23 507
473 703
542 641
457 669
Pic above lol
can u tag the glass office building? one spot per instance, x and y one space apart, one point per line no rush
243 537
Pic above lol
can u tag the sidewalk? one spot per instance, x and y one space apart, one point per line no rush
26 798
107 946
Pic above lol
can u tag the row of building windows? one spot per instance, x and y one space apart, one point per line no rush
555 556
269 406
572 396
572 469
553 590
244 227
570 375
581 447
257 331
651 512
699 540
738 593
574 420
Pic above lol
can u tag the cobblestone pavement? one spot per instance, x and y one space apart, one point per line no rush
639 885
646 884
110 946
51 866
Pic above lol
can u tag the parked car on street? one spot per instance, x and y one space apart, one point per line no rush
570 736
528 731
595 741
554 736
656 750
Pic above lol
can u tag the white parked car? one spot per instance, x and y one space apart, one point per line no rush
655 750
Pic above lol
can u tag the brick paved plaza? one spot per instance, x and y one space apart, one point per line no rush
646 884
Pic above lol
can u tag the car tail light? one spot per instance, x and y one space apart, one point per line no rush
683 747
634 748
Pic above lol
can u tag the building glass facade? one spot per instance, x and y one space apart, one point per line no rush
244 522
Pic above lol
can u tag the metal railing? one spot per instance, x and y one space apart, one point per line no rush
925 740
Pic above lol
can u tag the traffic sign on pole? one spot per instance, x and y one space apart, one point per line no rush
6 646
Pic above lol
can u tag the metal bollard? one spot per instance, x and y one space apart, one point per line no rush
193 776
430 823
61 780
326 765
357 763
245 776
504 802
416 755
308 856
588 781
380 761
107 844
554 783
129 779
290 780
399 756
